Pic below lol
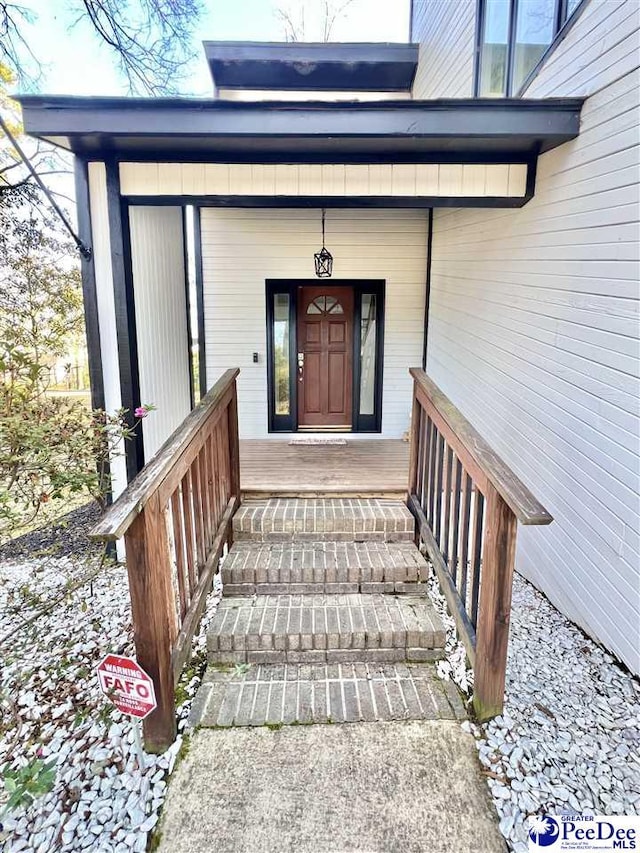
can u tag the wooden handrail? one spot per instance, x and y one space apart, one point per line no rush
526 508
467 503
175 517
118 517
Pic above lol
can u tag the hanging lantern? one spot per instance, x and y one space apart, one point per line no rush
323 259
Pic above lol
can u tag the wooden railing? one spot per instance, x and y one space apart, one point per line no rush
467 504
175 517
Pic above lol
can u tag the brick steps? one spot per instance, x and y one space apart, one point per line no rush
325 629
288 694
324 519
323 567
324 605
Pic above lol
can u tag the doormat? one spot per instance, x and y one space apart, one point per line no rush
312 441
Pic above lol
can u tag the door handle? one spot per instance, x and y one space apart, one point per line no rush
300 365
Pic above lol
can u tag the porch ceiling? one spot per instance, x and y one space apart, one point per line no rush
181 128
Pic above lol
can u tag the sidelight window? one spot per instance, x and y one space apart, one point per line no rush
281 353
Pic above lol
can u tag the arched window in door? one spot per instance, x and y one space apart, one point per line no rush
325 305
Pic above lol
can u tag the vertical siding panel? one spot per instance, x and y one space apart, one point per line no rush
216 179
497 181
169 178
157 255
474 179
193 178
240 179
403 179
356 180
450 179
427 179
517 180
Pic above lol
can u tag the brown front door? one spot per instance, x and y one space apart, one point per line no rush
325 357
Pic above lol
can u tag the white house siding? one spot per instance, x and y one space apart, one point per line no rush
242 248
445 30
533 332
157 256
101 245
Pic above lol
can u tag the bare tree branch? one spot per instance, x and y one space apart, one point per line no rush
151 39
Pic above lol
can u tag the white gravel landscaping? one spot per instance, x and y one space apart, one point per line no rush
52 709
569 737
568 740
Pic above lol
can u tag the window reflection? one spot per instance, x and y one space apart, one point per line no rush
534 33
281 353
367 353
495 37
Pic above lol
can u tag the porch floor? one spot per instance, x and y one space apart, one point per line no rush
361 467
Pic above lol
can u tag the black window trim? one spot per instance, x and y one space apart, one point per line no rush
562 25
359 423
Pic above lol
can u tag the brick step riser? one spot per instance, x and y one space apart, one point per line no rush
326 693
324 520
319 535
326 656
315 588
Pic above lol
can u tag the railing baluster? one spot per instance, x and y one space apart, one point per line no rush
212 485
464 544
476 554
424 462
214 474
198 515
437 522
419 487
178 544
188 531
445 546
206 498
433 465
457 479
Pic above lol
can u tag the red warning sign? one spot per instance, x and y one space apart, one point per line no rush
127 685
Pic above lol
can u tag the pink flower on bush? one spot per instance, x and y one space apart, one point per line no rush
142 411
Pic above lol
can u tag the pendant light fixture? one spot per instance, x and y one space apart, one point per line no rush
323 259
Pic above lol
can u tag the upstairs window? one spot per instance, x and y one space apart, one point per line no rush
513 37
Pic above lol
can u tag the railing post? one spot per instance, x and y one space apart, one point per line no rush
234 445
494 607
413 443
154 616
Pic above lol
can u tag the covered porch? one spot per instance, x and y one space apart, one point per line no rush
337 467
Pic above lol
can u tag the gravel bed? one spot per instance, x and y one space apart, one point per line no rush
52 709
569 737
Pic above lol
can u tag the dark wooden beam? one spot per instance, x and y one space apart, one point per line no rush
122 276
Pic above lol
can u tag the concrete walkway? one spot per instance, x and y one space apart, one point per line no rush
384 787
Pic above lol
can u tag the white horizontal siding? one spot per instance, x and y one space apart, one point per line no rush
445 31
242 248
157 259
325 179
533 332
